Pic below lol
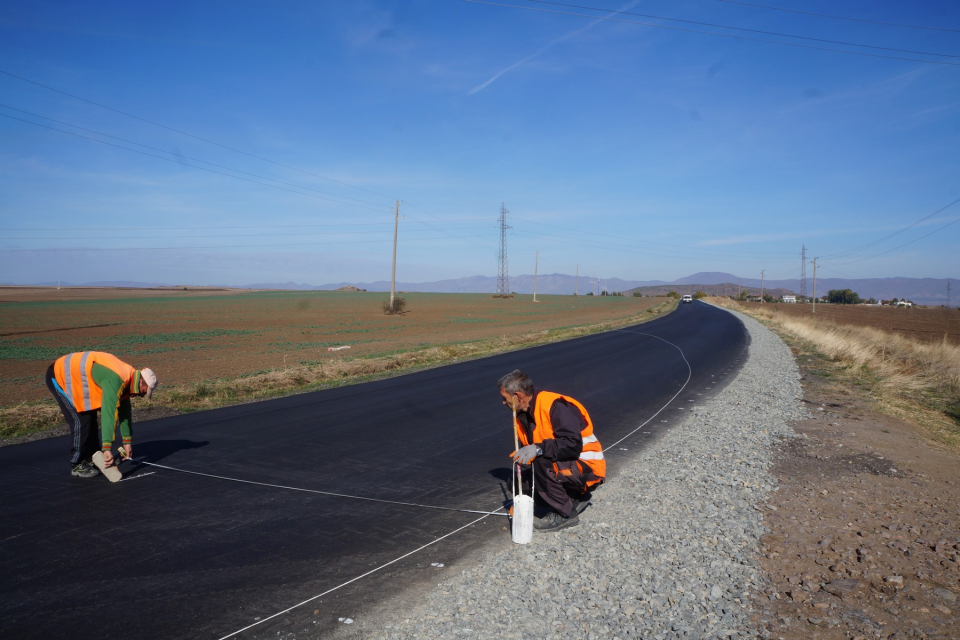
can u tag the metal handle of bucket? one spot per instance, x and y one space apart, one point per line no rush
516 464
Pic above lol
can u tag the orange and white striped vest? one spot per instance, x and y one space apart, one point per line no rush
592 454
74 375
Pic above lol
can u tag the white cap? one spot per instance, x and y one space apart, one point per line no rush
148 376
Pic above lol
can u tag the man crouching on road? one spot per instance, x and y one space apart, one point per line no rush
558 443
84 382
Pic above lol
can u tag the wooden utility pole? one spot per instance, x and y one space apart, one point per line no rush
393 275
738 288
535 265
761 286
815 285
576 286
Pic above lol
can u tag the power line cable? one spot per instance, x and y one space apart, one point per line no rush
712 33
659 244
212 164
189 135
882 253
241 246
761 31
827 15
254 226
187 164
887 237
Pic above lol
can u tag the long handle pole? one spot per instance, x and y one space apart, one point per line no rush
516 447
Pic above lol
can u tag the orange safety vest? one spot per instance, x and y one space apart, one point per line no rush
592 453
74 374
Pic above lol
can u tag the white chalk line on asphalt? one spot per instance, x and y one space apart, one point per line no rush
320 595
689 376
317 491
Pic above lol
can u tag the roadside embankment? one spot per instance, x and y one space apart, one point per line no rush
668 549
909 378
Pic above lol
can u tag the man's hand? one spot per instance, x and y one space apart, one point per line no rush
108 458
129 449
525 455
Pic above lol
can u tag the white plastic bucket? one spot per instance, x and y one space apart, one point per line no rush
522 531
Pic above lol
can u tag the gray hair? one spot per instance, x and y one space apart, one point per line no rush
516 381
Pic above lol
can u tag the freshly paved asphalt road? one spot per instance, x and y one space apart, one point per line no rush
171 555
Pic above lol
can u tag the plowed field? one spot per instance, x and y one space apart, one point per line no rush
927 324
193 336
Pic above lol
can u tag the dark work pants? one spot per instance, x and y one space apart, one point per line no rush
84 431
556 489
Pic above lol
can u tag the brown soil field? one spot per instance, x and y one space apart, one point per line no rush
864 529
201 335
928 324
10 293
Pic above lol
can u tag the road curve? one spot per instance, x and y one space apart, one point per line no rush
165 554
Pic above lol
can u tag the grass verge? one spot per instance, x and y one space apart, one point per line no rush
915 381
34 417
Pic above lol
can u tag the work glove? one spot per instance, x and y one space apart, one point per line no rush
525 455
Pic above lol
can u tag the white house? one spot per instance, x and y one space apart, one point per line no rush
789 298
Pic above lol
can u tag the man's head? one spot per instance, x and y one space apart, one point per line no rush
516 388
148 382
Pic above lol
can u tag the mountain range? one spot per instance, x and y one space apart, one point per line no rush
932 291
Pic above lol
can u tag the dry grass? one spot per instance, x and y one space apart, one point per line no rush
31 417
918 381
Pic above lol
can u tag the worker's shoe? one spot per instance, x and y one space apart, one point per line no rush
553 521
84 469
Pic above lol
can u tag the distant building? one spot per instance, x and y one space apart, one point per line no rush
789 298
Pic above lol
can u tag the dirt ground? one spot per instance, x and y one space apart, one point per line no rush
865 528
187 337
926 324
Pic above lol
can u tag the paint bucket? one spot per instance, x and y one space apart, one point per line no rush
522 531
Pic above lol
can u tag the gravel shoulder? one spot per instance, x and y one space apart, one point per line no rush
669 549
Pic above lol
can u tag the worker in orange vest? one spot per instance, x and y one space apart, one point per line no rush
558 448
89 381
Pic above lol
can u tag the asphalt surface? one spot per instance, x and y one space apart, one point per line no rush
171 555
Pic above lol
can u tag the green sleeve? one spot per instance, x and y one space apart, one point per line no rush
111 385
125 416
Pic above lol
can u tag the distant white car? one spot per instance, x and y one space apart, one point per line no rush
687 298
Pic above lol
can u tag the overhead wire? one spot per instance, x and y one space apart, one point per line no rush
189 135
222 173
883 253
835 17
748 30
712 33
181 156
895 233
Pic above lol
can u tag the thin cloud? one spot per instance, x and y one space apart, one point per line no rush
496 76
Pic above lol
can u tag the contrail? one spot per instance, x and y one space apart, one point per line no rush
481 87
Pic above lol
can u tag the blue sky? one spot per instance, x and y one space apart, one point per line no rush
632 151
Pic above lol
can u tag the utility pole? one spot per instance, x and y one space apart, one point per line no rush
738 288
536 264
576 284
393 275
761 286
803 272
815 285
948 293
503 280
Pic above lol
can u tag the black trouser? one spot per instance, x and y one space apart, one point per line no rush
558 482
84 431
